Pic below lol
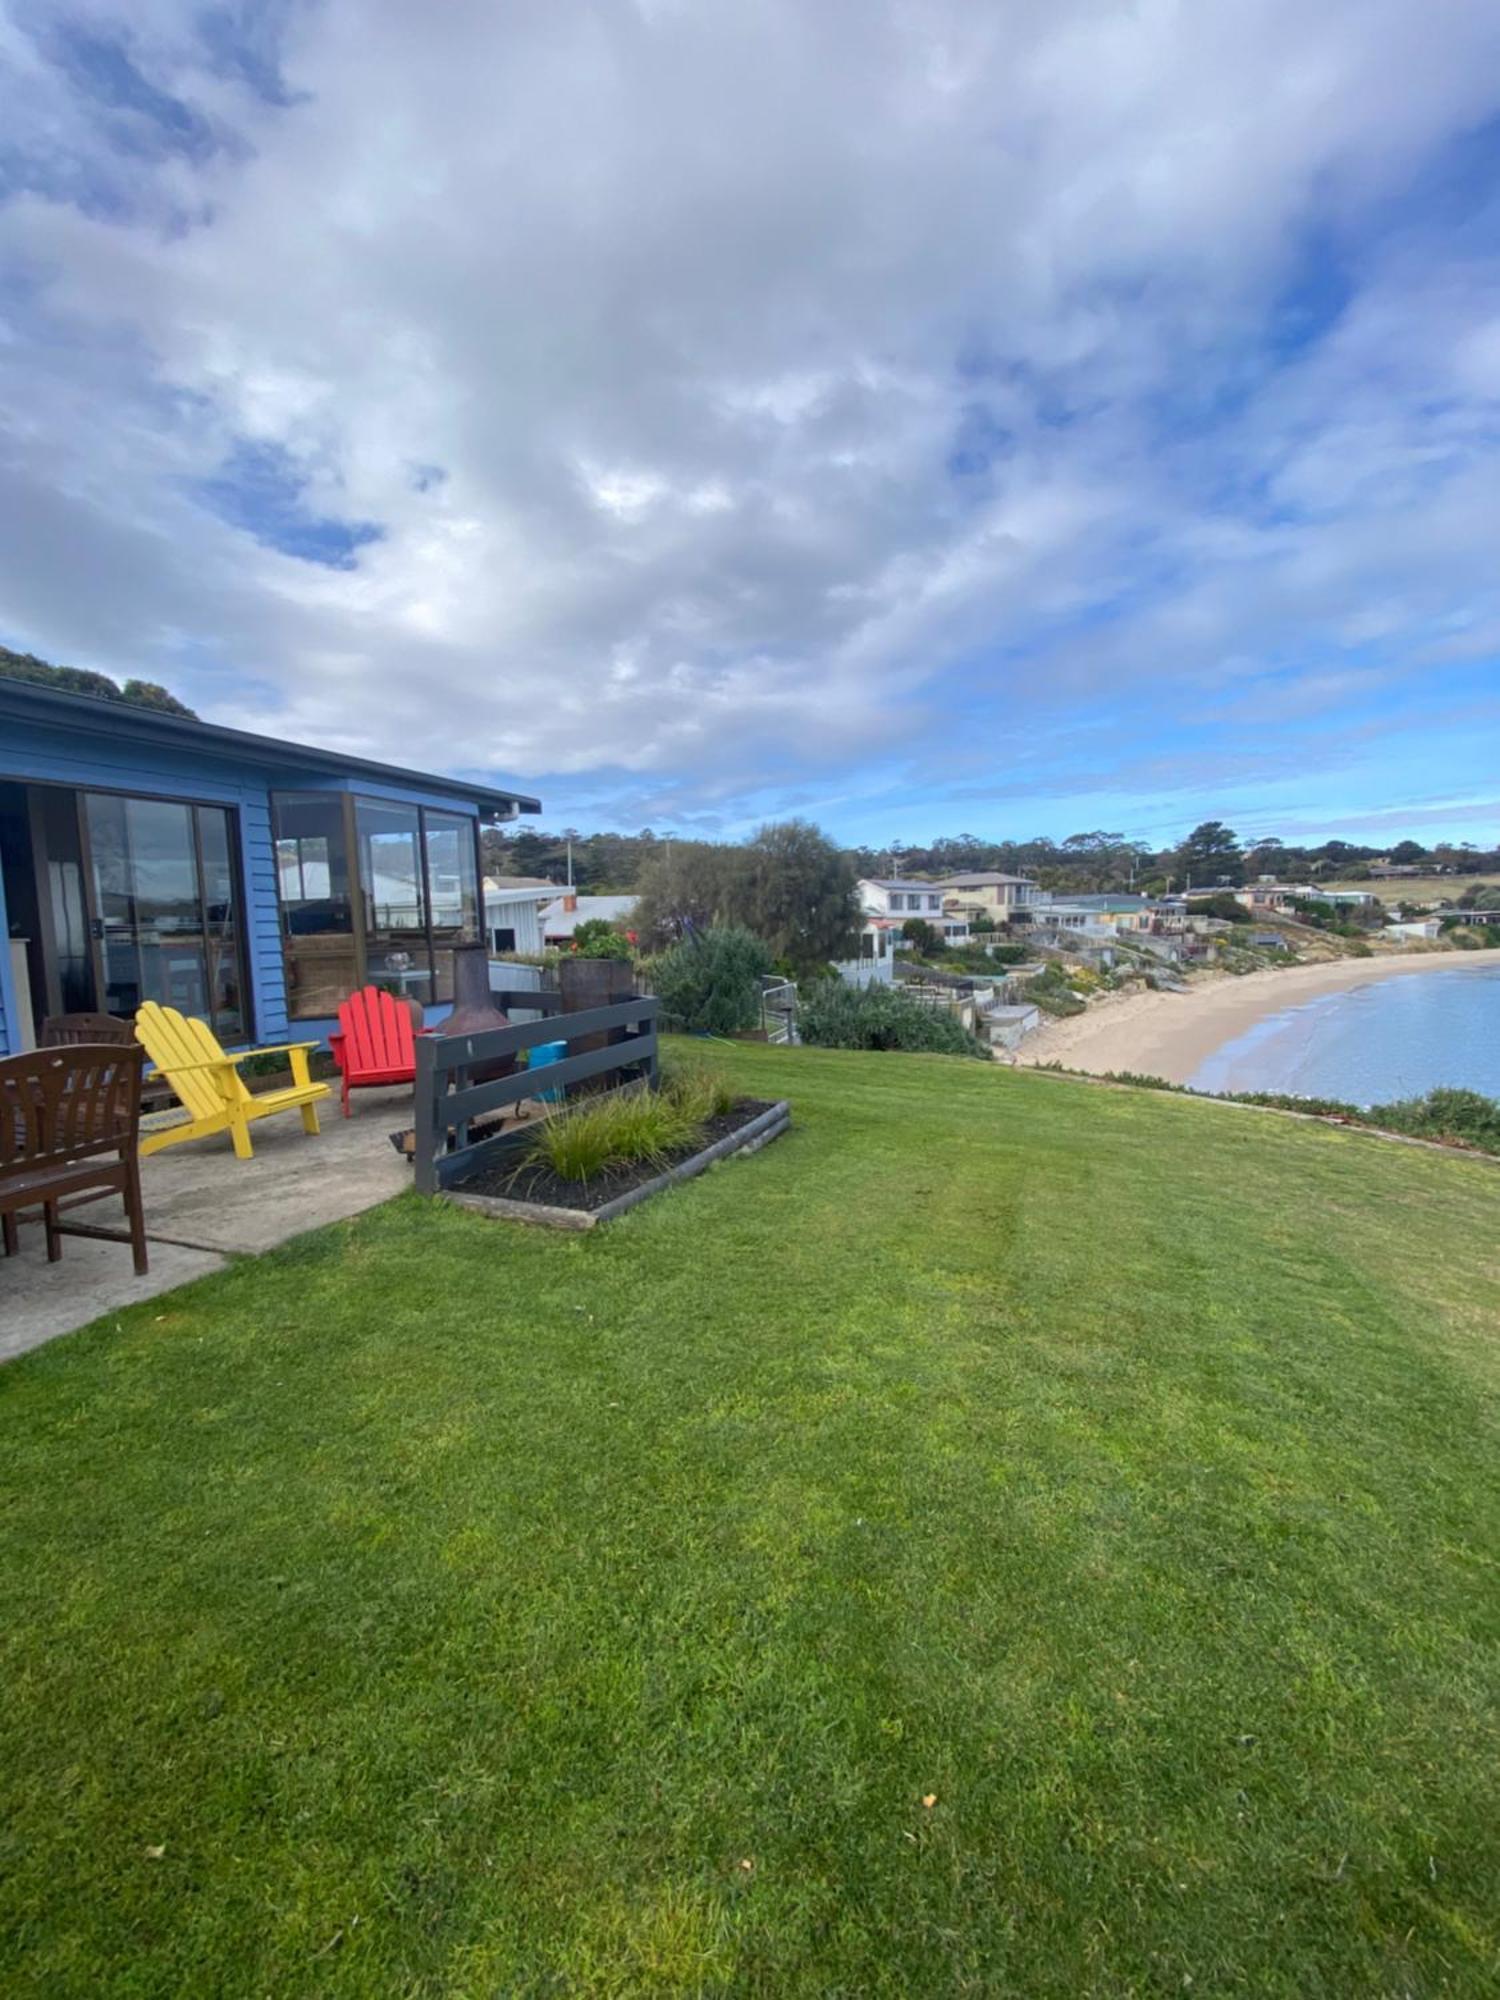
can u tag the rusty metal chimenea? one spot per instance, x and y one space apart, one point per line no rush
474 1013
474 1009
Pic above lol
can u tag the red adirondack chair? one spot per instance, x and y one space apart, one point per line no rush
376 1041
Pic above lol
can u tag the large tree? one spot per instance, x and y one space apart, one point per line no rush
687 886
800 895
1211 854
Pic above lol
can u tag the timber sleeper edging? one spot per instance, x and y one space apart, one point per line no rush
752 1135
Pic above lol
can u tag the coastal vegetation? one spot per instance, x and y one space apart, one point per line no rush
709 982
832 1015
1052 989
1027 1538
1447 1116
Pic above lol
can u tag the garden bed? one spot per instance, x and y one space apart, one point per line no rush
532 1192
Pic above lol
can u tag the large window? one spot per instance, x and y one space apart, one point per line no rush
395 898
392 918
453 892
317 905
167 907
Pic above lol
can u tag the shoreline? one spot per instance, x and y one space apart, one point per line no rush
1171 1035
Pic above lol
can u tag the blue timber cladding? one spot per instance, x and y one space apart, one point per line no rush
7 996
89 755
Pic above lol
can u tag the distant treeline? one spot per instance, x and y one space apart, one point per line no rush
1209 856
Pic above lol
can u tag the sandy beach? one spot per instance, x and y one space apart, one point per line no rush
1171 1034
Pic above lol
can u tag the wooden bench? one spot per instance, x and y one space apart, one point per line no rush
69 1122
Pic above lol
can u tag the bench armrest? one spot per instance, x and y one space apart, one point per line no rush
270 1049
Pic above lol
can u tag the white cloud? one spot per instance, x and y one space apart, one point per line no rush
798 377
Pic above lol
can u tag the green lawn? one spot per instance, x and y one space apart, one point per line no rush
441 1607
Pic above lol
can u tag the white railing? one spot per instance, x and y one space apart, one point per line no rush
866 971
778 1011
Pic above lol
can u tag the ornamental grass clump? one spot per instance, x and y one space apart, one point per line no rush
700 1092
595 1135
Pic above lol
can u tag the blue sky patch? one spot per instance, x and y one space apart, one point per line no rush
149 122
241 42
260 490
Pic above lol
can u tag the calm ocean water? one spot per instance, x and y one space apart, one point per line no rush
1395 1037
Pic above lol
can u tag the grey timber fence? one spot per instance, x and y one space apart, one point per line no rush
449 1099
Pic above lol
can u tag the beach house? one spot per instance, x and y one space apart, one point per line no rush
248 881
1004 899
894 901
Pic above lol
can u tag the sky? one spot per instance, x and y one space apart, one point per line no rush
1010 417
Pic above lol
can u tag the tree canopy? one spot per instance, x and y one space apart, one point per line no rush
83 680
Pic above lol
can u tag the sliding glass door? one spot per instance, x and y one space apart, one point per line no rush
166 908
374 891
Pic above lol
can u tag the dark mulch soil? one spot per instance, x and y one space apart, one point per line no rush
535 1181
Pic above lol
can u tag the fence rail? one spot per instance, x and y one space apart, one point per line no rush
449 1099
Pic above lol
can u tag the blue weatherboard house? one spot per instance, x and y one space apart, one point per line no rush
251 882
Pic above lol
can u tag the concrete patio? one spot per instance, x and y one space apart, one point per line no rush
204 1206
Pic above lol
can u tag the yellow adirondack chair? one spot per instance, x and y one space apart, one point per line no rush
206 1080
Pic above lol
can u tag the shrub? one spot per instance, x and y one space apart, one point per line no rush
923 937
974 958
590 1137
1055 1000
711 981
597 937
1051 992
1222 905
835 1016
1464 1115
1288 1100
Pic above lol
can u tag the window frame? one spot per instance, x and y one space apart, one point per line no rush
349 804
195 802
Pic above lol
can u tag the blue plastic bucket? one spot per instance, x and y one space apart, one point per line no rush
544 1053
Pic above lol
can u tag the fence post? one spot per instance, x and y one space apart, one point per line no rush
424 1119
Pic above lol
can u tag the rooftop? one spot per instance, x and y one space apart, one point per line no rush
558 921
983 881
1100 903
25 701
514 887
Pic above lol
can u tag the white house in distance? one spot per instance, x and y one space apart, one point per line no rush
1419 930
512 913
1267 894
895 901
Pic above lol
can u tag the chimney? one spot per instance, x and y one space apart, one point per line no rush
570 901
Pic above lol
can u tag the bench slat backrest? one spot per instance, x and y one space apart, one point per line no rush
59 1030
188 1056
58 1105
377 1031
